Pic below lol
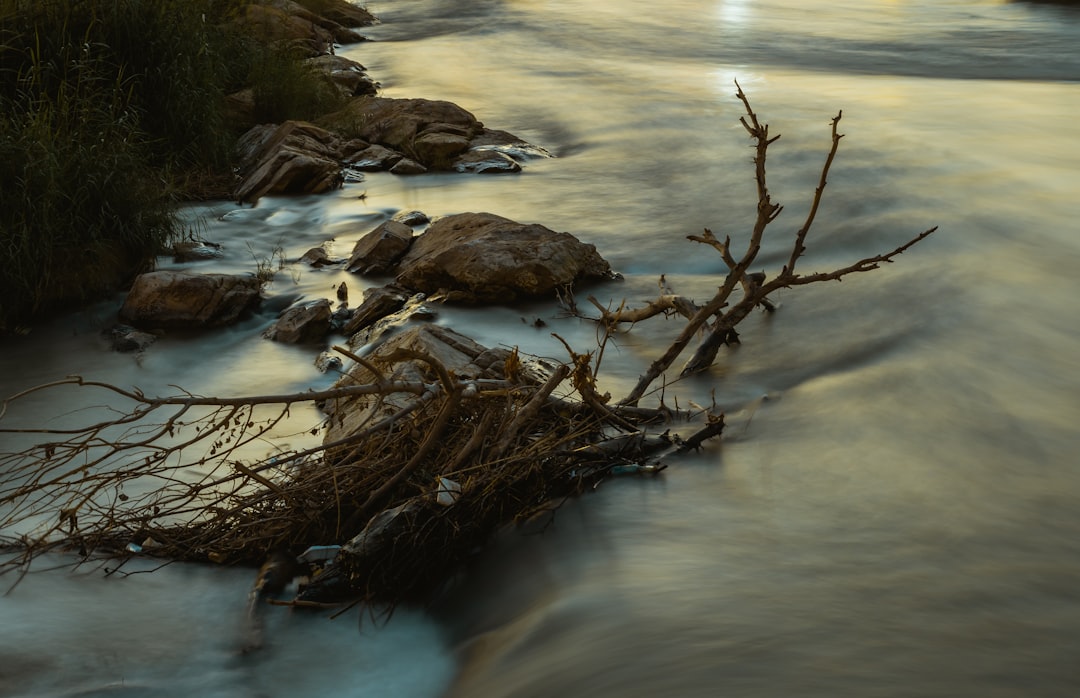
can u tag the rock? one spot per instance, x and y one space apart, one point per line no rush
411 218
438 150
486 161
126 339
195 251
377 304
406 166
302 324
315 31
460 355
374 158
507 144
283 21
319 257
327 361
379 250
349 75
415 308
294 158
180 299
431 132
481 257
340 317
346 13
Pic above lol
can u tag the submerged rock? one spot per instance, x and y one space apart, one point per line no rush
180 299
481 257
195 251
486 162
126 339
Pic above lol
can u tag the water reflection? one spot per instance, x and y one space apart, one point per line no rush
734 13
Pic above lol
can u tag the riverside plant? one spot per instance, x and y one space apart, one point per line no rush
440 463
110 112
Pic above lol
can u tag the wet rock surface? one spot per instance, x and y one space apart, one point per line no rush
295 157
302 324
181 299
482 257
379 251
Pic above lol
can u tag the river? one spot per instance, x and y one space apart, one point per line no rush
893 510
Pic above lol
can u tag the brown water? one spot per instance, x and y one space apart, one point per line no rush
894 509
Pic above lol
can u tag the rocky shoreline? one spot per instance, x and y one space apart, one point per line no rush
370 134
470 258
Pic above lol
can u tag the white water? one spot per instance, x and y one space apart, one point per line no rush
897 518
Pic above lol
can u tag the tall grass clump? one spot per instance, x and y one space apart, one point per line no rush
285 87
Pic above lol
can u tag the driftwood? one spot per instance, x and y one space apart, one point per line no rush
719 317
396 504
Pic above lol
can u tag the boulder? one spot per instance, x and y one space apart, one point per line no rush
481 257
431 132
180 299
302 324
295 157
379 250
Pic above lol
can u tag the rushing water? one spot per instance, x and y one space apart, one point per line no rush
893 511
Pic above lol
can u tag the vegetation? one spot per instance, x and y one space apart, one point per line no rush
110 112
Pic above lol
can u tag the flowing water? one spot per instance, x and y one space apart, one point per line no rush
893 511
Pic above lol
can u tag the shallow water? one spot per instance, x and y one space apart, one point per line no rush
893 510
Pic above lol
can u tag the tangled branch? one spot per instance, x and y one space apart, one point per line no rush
718 317
429 445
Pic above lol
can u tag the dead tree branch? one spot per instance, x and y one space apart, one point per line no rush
719 316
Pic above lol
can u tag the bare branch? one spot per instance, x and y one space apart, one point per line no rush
799 247
661 306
